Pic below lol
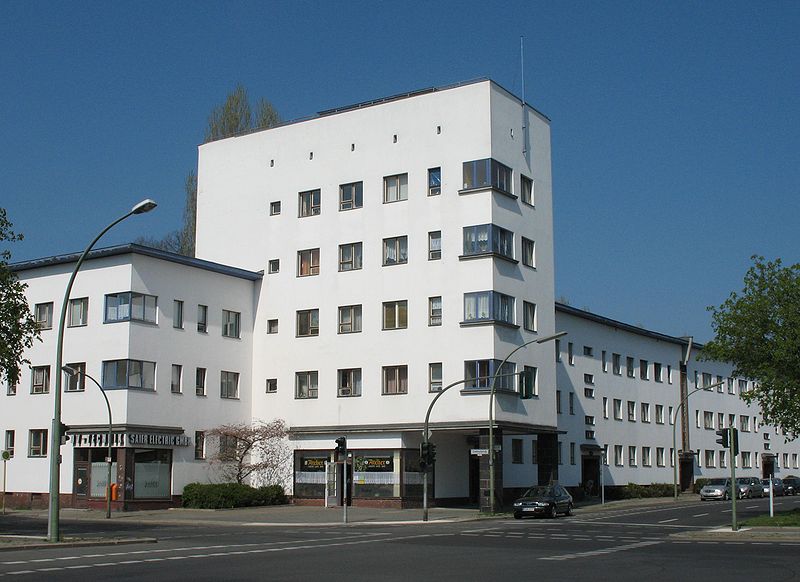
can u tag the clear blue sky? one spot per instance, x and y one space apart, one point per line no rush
676 148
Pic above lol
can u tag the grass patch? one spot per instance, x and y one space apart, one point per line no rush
781 519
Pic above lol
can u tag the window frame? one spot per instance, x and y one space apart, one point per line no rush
312 316
487 240
75 382
356 257
399 244
498 304
131 316
434 181
308 262
176 384
228 385
231 324
309 203
37 443
43 310
146 373
355 319
312 386
177 314
434 384
486 173
434 254
348 382
434 312
200 375
399 310
526 195
202 318
400 190
82 303
399 377
40 385
356 196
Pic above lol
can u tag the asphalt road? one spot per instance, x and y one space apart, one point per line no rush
617 544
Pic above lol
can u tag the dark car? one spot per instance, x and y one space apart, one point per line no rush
777 487
549 500
791 485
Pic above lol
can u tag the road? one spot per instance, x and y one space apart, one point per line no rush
621 544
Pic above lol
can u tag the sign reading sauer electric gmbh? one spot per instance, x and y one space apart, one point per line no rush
130 439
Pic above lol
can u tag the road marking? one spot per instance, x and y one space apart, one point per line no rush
726 510
700 515
600 552
752 507
668 520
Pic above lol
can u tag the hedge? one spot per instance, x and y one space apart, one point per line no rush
229 495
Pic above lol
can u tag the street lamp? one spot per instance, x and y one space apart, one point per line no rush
491 408
73 372
53 534
675 442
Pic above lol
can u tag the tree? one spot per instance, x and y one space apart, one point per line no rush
18 328
234 115
758 331
257 452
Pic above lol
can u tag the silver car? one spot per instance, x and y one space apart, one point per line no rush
719 488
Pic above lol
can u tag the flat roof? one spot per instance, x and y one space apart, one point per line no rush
132 248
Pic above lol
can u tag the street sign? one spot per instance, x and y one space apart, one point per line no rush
479 452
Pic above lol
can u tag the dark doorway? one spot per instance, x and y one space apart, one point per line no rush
686 470
590 475
767 467
474 479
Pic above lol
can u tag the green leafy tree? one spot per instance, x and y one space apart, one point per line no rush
18 329
758 331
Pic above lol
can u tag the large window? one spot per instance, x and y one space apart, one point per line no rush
395 379
487 173
526 190
129 374
231 321
305 384
488 306
37 442
529 316
395 188
76 382
479 374
528 253
349 319
307 322
78 314
308 203
434 311
131 306
350 256
434 181
395 314
308 262
488 239
40 379
395 250
43 314
228 384
351 196
349 382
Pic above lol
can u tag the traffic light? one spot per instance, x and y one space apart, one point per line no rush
341 448
526 381
427 455
723 437
431 454
734 441
63 432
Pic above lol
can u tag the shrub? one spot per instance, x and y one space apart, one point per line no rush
634 491
229 495
699 484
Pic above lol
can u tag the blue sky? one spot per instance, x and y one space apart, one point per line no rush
676 148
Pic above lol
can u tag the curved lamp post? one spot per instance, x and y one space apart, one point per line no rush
73 372
683 401
491 408
53 534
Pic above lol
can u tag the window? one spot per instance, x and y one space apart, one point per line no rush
617 409
434 181
275 208
308 262
487 173
229 384
11 387
588 379
720 420
307 322
731 387
200 381
395 250
40 380
658 372
308 203
526 189
351 196
588 419
605 407
78 314
199 445
588 351
479 375
121 374
395 188
529 315
618 455
37 442
272 326
706 380
646 461
558 401
731 420
175 384
534 456
742 386
708 420
744 423
131 306
746 460
644 370
76 382
43 314
516 451
560 452
227 447
273 266
660 456
202 318
631 411
572 403
434 311
395 314
631 456
604 362
570 354
488 306
557 344
630 367
272 385
723 459
350 319
528 252
659 414
645 411
669 374
395 379
589 435
349 382
10 437
305 384
488 239
177 314
671 457
435 377
435 245
534 372
350 256
616 367
231 323
697 418
720 382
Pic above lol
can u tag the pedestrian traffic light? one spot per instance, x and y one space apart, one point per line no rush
62 431
526 381
341 448
431 454
734 441
427 455
723 437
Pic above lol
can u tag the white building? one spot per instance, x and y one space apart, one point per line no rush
383 251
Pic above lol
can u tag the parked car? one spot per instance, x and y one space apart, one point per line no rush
791 485
719 488
756 487
777 487
747 487
549 500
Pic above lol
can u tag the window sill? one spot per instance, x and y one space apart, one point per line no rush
488 255
394 393
394 264
488 322
393 328
466 191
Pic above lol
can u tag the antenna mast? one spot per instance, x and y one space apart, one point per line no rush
522 76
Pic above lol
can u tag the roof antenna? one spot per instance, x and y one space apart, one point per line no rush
522 75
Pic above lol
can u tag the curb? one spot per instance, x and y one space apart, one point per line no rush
74 543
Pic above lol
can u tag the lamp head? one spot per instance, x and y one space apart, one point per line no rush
69 371
145 205
551 337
